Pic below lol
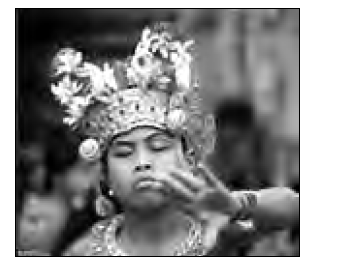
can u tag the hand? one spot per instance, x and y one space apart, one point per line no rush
201 191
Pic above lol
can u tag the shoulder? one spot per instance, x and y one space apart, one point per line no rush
91 243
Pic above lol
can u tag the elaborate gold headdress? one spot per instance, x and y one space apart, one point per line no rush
157 87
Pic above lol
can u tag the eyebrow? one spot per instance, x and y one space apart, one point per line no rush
155 134
122 143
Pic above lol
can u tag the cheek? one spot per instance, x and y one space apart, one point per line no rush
119 173
172 159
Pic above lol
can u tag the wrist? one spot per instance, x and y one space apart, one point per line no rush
246 203
234 204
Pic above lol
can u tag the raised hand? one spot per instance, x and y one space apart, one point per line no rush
201 190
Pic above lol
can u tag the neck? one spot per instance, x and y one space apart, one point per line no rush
156 226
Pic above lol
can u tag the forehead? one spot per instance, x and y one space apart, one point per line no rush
142 133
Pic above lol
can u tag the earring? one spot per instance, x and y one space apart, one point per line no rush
190 157
103 206
111 192
105 190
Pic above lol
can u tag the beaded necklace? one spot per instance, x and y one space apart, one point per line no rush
192 246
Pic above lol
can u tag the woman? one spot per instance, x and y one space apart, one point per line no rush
145 124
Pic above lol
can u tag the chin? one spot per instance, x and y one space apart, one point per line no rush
149 201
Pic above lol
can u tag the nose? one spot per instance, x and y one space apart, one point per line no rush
143 161
145 167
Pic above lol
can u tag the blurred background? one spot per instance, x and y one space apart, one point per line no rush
249 65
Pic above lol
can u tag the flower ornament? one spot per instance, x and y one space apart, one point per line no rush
70 120
79 102
66 61
93 83
144 66
157 55
182 63
89 149
176 118
183 76
109 79
145 34
132 76
156 86
107 84
76 108
62 90
95 75
163 82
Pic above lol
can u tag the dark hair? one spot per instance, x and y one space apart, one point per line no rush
59 145
104 164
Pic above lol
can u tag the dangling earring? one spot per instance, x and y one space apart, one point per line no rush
190 158
111 192
103 206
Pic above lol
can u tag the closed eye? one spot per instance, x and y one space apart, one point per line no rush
160 144
121 151
122 154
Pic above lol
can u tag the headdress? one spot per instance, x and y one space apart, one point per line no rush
157 87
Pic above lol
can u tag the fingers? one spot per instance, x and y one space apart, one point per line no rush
193 192
209 177
179 189
189 180
185 206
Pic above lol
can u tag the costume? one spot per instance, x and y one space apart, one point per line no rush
156 87
100 240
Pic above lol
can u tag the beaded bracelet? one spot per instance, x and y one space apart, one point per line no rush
247 200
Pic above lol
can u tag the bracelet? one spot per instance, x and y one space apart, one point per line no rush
247 200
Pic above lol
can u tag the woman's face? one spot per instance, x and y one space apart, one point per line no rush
41 222
137 162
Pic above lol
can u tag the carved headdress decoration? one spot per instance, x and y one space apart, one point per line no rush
157 87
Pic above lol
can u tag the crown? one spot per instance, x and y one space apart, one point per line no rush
157 87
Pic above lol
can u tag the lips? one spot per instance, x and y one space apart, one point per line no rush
148 183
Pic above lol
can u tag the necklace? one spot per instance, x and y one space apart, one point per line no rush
191 246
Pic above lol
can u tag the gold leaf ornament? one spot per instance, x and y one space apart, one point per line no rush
66 61
90 149
176 118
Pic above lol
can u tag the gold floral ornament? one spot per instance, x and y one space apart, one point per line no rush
89 149
176 118
156 87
